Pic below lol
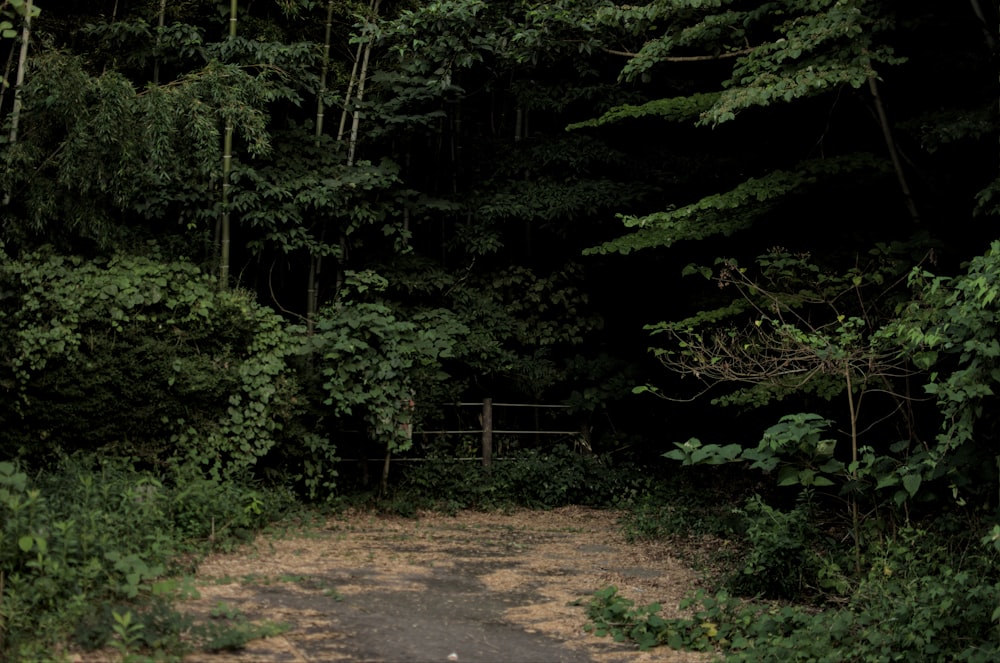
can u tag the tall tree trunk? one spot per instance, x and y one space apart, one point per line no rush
22 60
161 21
312 294
227 163
357 81
6 74
325 72
352 142
350 90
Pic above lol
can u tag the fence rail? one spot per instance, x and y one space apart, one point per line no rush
486 430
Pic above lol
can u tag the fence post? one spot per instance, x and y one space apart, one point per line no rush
487 433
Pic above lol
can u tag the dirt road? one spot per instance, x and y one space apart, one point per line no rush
471 588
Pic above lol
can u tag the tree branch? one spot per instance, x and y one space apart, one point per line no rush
686 58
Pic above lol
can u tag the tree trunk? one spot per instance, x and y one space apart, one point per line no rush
312 294
890 143
358 80
22 60
324 73
227 161
6 74
161 21
352 142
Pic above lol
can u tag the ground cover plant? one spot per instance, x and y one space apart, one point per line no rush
94 551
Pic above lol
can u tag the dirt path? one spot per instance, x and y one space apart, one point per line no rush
473 588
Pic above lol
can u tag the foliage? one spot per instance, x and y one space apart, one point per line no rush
796 446
736 210
99 533
143 355
685 503
155 150
675 109
534 478
811 331
951 329
909 605
9 10
375 362
440 232
787 556
306 197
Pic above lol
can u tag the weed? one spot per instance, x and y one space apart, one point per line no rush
910 606
97 532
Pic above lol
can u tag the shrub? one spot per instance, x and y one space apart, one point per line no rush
535 478
143 354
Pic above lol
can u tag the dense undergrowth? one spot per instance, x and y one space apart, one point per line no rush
96 551
792 588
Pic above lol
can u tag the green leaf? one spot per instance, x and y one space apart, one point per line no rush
788 476
911 483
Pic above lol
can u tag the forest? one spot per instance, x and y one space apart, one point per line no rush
746 245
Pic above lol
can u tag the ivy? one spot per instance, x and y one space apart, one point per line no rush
376 362
202 371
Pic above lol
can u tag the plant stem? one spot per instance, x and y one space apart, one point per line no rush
854 467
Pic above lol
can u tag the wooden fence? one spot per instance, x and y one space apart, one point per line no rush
486 431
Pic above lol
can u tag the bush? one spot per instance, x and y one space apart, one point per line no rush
532 478
784 557
143 355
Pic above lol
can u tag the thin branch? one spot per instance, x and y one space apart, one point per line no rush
890 143
708 388
274 297
686 58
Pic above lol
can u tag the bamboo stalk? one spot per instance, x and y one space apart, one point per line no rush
350 91
987 32
360 95
312 287
161 21
227 160
324 73
22 60
358 79
6 74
